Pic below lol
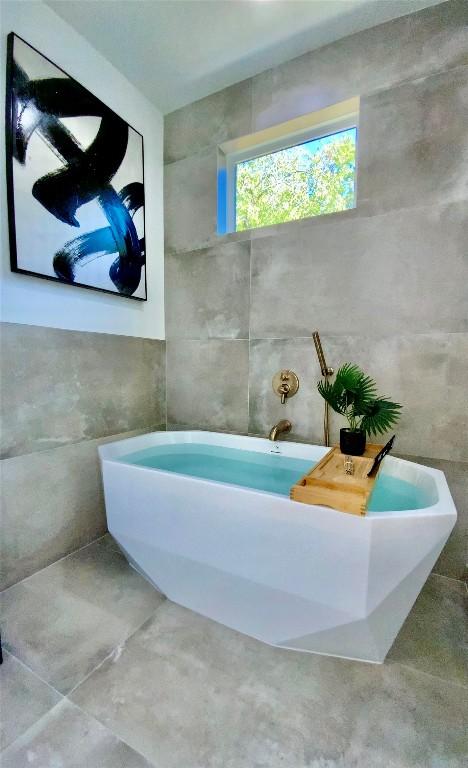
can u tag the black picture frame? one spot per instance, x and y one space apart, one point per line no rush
10 137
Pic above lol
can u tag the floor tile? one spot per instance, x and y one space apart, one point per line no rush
23 698
68 738
65 619
434 637
185 691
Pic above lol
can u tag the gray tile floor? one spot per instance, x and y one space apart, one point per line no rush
102 672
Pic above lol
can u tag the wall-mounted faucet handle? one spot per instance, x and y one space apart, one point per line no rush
285 384
284 390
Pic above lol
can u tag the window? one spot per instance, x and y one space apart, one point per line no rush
289 175
303 180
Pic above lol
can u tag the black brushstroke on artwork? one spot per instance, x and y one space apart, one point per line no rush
86 175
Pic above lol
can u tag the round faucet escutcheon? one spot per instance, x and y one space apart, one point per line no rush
285 384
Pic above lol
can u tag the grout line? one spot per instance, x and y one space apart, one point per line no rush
343 335
33 672
249 317
84 712
73 443
251 99
377 90
174 339
64 557
110 730
94 669
304 226
121 643
439 679
33 725
303 440
450 578
165 377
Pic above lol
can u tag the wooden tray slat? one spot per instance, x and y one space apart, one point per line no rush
327 484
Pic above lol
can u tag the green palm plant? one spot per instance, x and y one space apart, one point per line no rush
354 395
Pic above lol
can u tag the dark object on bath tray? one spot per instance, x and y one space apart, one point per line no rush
380 456
352 441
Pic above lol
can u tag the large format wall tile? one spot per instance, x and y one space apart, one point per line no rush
52 503
190 195
407 48
426 373
304 411
207 384
223 115
375 279
402 272
208 293
413 143
61 387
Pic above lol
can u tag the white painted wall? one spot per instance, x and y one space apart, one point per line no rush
33 301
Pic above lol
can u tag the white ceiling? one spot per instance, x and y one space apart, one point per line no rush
177 51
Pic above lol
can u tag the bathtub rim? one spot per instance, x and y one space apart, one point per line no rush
115 451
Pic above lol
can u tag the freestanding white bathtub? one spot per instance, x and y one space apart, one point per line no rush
302 577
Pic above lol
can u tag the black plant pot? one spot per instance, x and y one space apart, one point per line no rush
352 442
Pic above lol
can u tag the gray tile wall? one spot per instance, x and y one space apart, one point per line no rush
63 393
386 283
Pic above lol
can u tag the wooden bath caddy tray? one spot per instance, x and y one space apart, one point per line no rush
328 484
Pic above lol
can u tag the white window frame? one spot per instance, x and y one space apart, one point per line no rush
325 122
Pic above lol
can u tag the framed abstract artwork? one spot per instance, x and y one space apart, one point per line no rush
75 181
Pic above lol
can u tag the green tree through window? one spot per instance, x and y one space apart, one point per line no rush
305 180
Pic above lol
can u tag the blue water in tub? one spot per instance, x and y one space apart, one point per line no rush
270 472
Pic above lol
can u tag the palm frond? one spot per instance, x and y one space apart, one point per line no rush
351 388
333 394
348 376
380 416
